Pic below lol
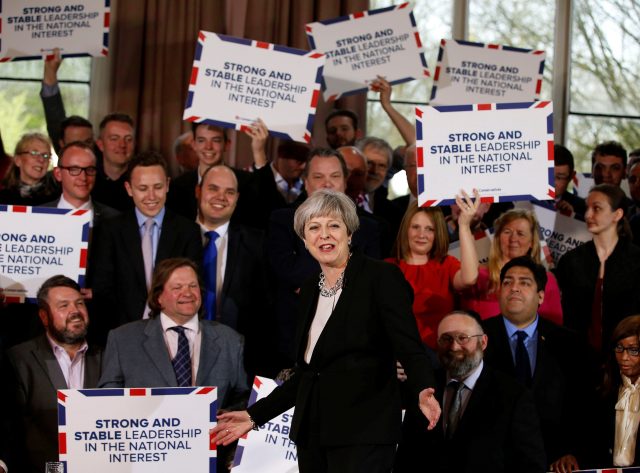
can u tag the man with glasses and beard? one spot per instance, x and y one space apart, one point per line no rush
488 421
58 359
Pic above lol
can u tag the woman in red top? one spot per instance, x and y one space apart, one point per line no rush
421 253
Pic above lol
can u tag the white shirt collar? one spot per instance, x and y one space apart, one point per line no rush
192 324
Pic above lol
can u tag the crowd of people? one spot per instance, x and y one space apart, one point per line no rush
303 269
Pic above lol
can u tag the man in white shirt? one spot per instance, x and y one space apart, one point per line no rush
76 172
234 269
58 359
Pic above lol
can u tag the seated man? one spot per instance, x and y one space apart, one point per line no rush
144 353
58 359
175 349
488 421
544 357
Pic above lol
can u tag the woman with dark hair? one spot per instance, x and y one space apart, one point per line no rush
421 253
600 280
29 181
619 400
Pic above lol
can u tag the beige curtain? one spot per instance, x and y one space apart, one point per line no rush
152 45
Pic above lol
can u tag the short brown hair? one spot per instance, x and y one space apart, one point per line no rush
161 274
59 280
440 246
146 159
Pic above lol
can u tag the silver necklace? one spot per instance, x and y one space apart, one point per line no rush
330 291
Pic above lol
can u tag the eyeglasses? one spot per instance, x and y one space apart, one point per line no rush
633 351
37 154
460 338
632 179
77 170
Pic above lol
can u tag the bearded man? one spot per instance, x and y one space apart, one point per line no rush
58 359
488 422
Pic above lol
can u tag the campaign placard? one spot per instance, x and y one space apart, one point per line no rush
137 430
562 233
235 81
269 449
363 45
31 29
37 243
469 72
503 150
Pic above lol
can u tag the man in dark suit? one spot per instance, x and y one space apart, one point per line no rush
126 248
241 298
210 142
279 184
76 173
488 420
59 359
173 348
548 359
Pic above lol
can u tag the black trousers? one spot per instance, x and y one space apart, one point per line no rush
346 459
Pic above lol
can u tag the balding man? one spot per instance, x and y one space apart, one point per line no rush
234 268
488 420
76 172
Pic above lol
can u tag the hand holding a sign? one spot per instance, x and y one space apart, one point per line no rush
468 207
231 426
429 406
51 65
259 133
406 129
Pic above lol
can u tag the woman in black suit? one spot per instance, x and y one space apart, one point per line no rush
355 321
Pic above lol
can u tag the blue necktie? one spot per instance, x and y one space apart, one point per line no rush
523 364
182 361
210 268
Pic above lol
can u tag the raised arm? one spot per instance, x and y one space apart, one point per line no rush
468 273
404 126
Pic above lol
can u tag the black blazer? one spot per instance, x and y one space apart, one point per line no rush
35 376
245 303
577 273
182 197
119 286
291 264
348 394
101 212
498 432
562 383
270 198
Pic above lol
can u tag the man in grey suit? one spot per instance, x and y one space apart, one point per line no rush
58 359
173 348
146 353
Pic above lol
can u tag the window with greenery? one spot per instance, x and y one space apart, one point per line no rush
604 96
20 104
605 60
